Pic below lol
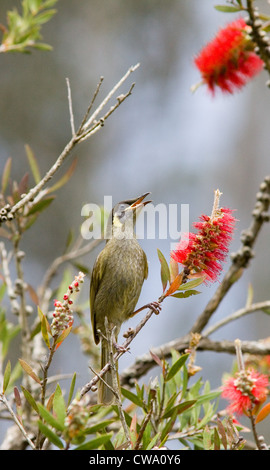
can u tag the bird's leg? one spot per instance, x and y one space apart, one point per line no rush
110 331
155 306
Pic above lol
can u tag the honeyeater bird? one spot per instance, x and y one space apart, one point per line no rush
117 278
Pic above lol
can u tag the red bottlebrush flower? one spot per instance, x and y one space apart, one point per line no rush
203 252
62 315
246 390
228 61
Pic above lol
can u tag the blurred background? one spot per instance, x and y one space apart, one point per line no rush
163 139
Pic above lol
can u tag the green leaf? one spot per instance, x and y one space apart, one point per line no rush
49 418
41 205
207 397
191 284
28 369
207 441
6 175
95 443
176 367
227 9
6 376
33 164
132 397
44 331
99 426
30 399
45 16
71 390
178 409
65 178
53 438
165 271
216 440
63 335
185 295
59 406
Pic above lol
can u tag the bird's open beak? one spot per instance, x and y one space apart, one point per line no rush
139 203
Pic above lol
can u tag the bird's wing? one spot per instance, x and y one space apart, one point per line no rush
96 277
145 266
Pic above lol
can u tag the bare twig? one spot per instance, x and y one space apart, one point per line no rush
86 129
70 109
4 400
10 289
259 306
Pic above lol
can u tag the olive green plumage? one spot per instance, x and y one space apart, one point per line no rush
117 278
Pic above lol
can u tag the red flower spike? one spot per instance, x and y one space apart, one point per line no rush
245 391
203 252
228 61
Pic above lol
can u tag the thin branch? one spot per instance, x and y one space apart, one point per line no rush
4 400
86 129
238 314
70 109
90 105
10 290
109 96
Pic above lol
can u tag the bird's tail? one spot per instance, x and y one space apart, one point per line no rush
105 395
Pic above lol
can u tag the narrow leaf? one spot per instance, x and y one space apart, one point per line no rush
164 271
222 433
28 369
6 175
207 443
99 426
95 443
216 440
63 336
59 406
44 332
263 413
207 397
174 269
227 9
41 205
186 294
49 418
176 367
53 438
62 181
191 284
178 409
175 285
71 390
33 164
30 399
132 397
6 376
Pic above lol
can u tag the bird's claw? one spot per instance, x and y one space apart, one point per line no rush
155 306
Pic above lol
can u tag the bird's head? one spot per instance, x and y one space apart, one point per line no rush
123 217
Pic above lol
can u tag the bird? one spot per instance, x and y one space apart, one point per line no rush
116 282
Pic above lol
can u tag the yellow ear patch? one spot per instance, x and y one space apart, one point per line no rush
116 222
